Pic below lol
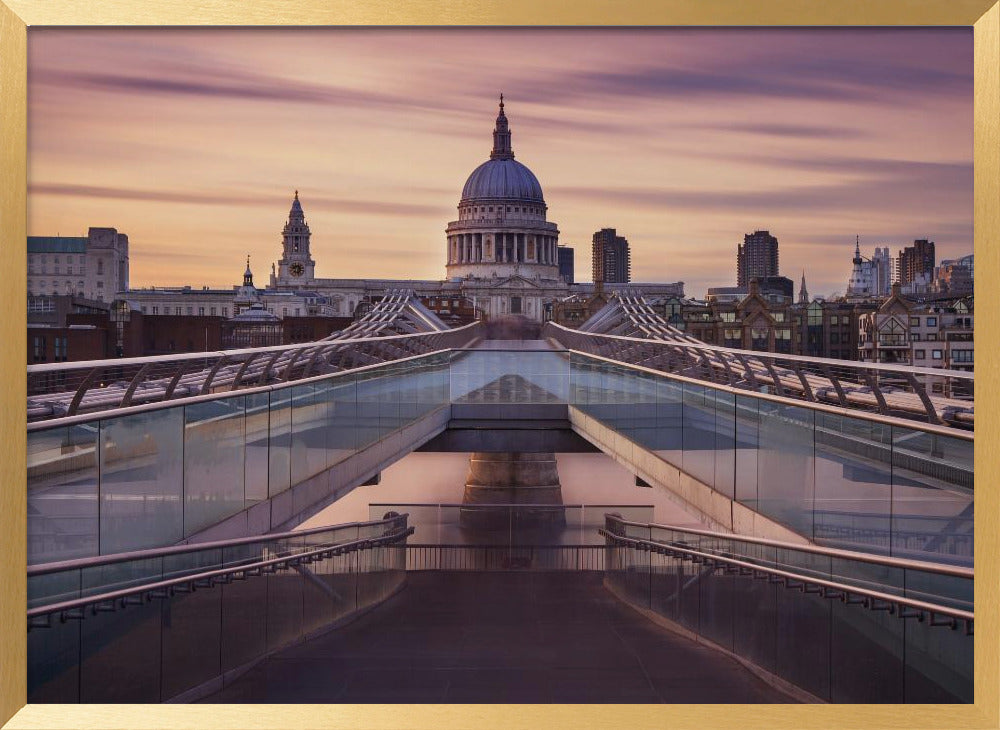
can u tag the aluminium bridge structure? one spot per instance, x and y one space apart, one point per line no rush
836 500
397 326
628 329
356 613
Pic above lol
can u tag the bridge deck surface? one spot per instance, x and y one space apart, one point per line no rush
500 638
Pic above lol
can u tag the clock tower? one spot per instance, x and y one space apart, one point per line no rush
296 266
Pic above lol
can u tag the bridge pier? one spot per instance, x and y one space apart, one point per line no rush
506 478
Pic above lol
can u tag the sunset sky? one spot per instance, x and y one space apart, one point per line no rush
193 141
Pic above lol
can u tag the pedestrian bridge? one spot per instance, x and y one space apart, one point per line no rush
245 461
353 613
838 515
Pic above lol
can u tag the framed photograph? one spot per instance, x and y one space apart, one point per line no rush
498 366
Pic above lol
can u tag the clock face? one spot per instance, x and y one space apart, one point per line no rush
296 269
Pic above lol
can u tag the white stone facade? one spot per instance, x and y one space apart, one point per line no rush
95 266
501 253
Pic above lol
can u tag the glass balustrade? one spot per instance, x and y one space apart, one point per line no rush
837 650
154 477
166 642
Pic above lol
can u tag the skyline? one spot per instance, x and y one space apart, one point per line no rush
193 141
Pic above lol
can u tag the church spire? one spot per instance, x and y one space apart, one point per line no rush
857 250
803 292
248 275
501 137
296 213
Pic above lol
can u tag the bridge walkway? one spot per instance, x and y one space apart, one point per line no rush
467 637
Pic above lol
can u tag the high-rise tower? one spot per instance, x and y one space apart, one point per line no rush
756 257
611 258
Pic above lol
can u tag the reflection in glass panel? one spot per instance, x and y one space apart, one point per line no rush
699 432
142 480
256 429
62 493
932 480
213 462
367 409
746 450
785 465
341 419
725 442
308 439
279 446
853 483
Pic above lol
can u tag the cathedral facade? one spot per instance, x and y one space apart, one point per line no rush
501 253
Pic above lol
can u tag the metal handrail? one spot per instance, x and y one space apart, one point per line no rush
828 588
501 504
150 553
157 359
191 581
925 566
956 433
132 379
851 364
805 378
189 400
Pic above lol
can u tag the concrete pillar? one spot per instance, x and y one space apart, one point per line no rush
514 478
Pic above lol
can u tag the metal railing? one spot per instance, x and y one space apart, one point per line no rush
492 558
155 639
926 394
65 389
841 625
893 604
96 575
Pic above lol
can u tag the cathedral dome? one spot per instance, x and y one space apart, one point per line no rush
502 179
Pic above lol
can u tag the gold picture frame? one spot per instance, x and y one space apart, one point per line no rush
16 16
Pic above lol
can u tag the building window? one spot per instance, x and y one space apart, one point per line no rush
931 336
932 321
60 349
39 353
156 310
100 285
834 338
143 308
297 311
100 267
212 310
961 355
935 354
190 311
914 337
914 321
225 311
201 311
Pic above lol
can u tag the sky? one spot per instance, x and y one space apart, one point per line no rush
193 142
